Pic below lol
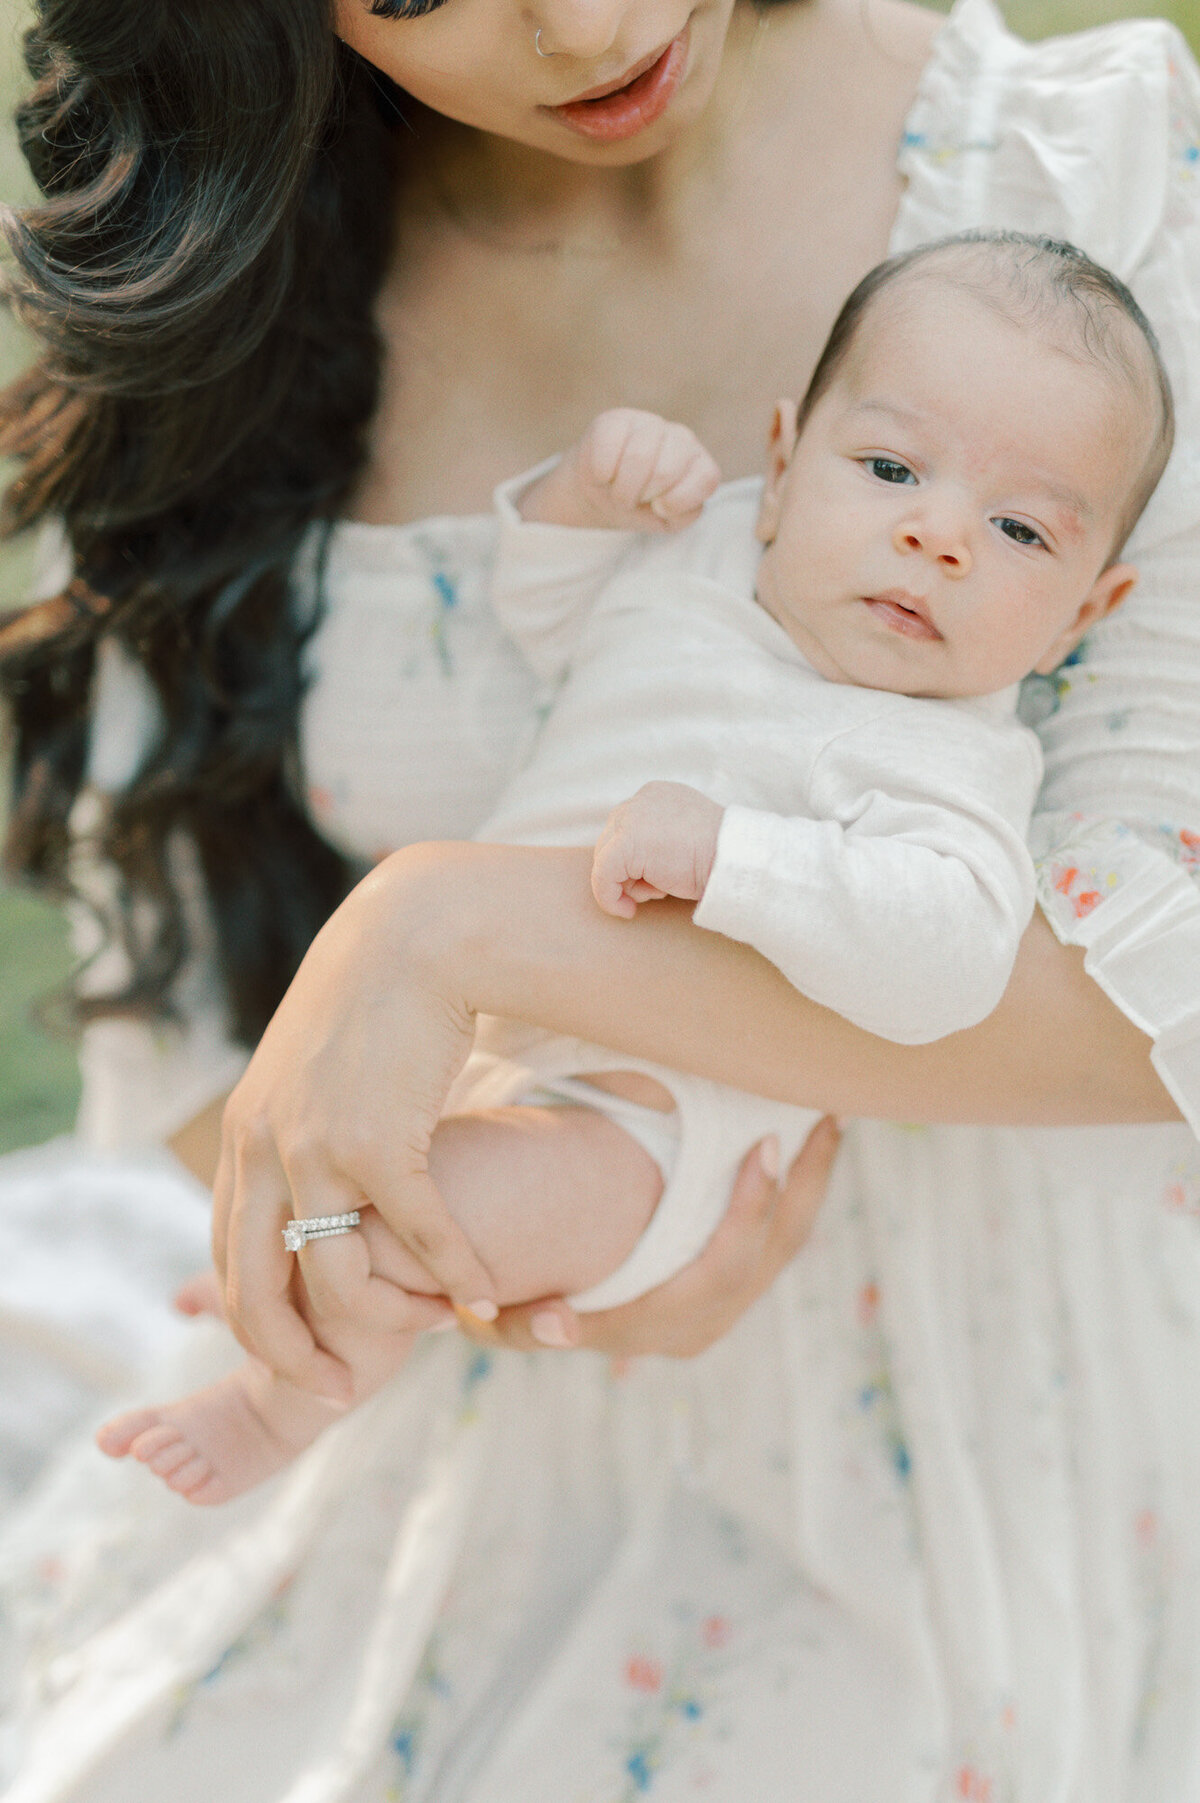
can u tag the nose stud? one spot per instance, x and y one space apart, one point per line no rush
537 44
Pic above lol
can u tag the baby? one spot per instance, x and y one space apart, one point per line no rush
810 684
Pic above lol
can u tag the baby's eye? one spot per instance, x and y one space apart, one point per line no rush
888 469
1020 533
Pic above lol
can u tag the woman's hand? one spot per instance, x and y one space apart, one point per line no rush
336 1109
765 1226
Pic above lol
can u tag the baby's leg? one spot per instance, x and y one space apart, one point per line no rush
226 1438
552 1199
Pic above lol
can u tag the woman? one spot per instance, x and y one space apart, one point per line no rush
922 1524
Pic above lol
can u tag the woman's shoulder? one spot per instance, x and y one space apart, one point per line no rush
1084 137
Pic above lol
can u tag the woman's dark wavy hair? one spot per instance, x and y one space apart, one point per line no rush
199 275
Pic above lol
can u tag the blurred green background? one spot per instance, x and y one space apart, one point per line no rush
38 1082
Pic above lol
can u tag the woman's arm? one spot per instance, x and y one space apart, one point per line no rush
517 932
346 1086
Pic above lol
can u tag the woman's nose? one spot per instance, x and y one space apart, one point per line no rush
581 29
941 540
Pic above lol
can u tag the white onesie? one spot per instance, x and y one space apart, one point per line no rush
873 844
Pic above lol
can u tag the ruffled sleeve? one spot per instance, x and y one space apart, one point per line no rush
1096 138
142 1080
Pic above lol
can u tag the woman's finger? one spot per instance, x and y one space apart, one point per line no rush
222 1203
415 1212
527 1327
258 1300
803 1190
340 1286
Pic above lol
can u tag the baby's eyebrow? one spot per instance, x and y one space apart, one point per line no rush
1077 506
894 410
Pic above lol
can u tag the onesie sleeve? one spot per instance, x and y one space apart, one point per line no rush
902 904
546 578
1096 138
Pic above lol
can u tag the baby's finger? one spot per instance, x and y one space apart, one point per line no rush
604 442
610 872
639 462
684 500
679 453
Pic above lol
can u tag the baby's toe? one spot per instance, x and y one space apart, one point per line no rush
211 1490
191 1477
116 1437
170 1459
200 1295
155 1440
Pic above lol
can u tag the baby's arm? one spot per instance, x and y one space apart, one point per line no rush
900 907
565 531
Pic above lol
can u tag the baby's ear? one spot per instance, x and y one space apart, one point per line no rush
781 442
1106 594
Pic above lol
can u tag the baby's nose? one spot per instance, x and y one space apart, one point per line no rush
943 542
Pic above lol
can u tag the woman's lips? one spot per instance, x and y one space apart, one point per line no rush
612 112
903 614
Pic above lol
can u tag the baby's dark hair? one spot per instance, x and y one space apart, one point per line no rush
1027 278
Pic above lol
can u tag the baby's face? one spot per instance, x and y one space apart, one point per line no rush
944 524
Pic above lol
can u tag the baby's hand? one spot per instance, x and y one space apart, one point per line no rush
630 471
661 842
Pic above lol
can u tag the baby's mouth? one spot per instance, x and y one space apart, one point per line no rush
902 613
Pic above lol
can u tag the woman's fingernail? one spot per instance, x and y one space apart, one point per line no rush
446 1325
483 1311
768 1156
548 1329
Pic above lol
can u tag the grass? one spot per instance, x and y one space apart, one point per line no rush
39 1082
38 1078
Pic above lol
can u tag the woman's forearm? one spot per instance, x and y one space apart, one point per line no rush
517 932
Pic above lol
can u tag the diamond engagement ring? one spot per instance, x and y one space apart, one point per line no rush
319 1227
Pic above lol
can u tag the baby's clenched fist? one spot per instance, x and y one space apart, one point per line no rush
630 472
662 841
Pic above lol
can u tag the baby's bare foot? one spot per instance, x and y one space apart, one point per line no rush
220 1441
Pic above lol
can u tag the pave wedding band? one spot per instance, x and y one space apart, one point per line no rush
319 1227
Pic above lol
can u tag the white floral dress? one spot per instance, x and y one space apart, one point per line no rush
926 1525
